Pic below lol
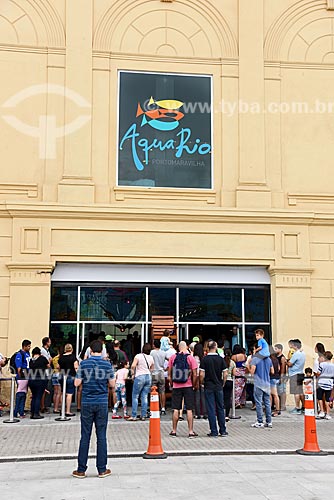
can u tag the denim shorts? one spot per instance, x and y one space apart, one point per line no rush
274 382
281 388
55 379
69 385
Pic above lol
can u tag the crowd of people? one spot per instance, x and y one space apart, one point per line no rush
204 386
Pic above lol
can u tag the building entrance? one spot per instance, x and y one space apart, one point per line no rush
230 334
210 307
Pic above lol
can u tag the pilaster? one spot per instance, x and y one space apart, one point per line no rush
252 190
29 302
76 185
291 306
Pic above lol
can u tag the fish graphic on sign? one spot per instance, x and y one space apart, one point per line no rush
164 116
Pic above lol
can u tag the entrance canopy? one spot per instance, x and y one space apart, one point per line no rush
127 273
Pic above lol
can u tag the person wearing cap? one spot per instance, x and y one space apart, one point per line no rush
196 339
121 355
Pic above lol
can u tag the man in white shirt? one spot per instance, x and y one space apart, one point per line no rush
158 376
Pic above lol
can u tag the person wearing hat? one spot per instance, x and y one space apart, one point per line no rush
196 339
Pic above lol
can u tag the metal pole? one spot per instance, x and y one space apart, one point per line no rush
11 419
315 399
234 416
63 417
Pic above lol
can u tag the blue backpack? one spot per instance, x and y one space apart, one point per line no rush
181 370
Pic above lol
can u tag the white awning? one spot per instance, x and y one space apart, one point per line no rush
145 274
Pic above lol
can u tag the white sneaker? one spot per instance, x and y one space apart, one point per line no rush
258 425
270 425
328 417
321 414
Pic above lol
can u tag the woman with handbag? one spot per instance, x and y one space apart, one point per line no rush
141 369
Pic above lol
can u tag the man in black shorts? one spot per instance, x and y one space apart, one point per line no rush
182 376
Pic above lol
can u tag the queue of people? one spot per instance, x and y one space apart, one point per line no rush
260 377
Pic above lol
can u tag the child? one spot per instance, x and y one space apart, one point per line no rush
325 385
308 372
291 351
21 394
262 350
121 376
164 341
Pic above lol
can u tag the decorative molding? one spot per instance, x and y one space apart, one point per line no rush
188 195
330 4
295 199
286 39
291 277
11 189
42 24
299 65
119 56
32 49
117 30
30 273
290 245
31 240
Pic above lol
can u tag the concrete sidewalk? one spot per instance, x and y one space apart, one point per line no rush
46 439
198 478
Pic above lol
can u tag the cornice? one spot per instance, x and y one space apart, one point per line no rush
179 214
32 49
298 65
163 59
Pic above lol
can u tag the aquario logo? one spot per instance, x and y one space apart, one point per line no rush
164 136
163 116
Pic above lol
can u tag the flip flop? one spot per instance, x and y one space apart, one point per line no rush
172 433
193 435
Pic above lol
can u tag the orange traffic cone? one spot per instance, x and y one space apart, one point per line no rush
311 446
154 445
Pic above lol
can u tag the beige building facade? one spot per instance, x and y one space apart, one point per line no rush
88 199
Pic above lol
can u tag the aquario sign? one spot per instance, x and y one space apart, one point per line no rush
164 130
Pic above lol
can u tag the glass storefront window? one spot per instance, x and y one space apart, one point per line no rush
64 303
162 302
257 304
164 130
61 334
250 335
113 304
210 304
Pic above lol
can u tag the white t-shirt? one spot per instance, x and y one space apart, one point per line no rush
103 355
169 354
46 353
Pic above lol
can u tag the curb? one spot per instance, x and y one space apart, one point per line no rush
138 454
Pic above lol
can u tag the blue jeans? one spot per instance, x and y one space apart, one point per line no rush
215 404
260 397
20 403
141 387
97 414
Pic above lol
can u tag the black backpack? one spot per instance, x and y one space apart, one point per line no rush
181 370
12 364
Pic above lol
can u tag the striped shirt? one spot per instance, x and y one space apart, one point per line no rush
326 370
95 373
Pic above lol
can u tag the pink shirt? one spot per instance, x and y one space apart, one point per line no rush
192 365
145 361
122 375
